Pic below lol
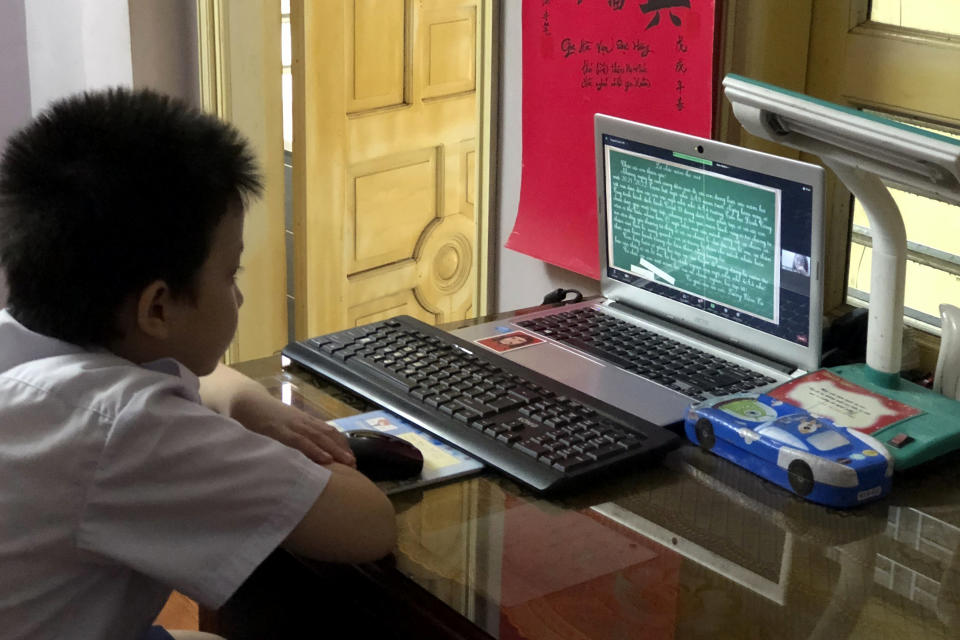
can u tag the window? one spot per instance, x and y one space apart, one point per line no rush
937 16
898 58
933 252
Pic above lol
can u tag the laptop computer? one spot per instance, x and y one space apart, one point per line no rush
710 245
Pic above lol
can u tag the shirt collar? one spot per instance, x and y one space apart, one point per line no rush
19 345
172 367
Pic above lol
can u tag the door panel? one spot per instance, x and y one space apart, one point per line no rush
380 307
390 202
384 179
375 59
448 54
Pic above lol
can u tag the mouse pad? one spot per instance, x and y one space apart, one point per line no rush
441 462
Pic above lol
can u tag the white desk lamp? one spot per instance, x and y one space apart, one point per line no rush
865 150
861 149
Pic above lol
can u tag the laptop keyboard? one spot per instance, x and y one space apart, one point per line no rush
536 430
673 364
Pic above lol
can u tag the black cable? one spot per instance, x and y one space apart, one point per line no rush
559 295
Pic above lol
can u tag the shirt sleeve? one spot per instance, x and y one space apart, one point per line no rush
191 498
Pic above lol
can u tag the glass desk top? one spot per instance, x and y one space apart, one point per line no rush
693 547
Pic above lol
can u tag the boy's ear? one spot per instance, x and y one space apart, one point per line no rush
153 310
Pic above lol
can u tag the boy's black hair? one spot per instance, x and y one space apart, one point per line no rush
106 192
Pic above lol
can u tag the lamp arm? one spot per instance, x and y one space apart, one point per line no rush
887 270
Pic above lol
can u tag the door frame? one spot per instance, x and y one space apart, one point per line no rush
240 69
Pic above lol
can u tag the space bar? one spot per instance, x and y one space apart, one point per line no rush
376 367
597 351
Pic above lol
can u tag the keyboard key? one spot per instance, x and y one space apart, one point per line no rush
465 415
604 451
533 448
483 410
571 463
504 403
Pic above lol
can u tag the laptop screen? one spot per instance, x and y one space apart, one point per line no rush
723 238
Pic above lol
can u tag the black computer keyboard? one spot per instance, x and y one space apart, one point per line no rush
536 430
646 353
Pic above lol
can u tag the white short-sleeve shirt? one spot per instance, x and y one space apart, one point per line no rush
117 485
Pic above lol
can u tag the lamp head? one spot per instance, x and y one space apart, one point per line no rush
917 160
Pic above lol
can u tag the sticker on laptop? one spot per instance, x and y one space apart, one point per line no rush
509 341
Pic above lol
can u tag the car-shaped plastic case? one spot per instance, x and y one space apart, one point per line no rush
806 454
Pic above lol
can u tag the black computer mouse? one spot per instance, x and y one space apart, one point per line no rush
381 456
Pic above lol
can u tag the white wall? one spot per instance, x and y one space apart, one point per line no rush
521 281
14 80
163 47
14 74
75 45
53 48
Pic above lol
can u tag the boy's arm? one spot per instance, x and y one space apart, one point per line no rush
351 521
233 394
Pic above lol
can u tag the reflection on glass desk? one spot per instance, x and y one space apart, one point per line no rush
693 548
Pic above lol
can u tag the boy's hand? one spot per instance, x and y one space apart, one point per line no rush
232 393
311 436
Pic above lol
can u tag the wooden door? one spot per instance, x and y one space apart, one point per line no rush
385 160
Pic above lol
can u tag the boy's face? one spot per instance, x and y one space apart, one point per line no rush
204 326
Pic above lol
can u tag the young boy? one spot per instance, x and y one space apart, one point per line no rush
123 475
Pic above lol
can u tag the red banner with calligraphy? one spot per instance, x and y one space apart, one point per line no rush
645 60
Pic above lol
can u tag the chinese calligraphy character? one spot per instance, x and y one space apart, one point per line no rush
657 5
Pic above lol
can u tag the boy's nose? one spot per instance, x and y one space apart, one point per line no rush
239 295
